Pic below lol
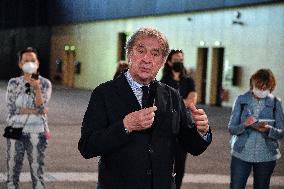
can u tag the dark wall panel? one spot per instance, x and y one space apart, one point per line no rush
246 2
69 11
23 13
13 40
26 13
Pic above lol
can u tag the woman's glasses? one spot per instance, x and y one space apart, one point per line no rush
28 88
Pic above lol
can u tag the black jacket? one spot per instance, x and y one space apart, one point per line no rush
139 160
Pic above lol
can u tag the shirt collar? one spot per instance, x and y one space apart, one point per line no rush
131 81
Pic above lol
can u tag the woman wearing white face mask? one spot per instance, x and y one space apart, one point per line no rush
256 125
27 98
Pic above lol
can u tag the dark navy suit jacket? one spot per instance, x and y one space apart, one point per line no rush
139 160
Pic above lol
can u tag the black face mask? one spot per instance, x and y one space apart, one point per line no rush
177 66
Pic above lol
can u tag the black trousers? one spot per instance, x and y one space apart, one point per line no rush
179 167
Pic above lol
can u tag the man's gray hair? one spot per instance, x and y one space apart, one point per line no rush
148 32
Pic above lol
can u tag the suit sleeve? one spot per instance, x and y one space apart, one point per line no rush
188 135
98 137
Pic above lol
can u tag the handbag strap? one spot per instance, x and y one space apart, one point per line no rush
24 123
26 120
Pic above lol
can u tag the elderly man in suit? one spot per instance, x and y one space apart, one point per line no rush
134 121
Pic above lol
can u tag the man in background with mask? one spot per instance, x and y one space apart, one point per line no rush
174 75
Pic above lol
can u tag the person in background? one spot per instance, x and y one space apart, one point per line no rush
27 97
134 121
121 67
256 125
174 75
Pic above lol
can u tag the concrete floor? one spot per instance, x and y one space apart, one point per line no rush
66 109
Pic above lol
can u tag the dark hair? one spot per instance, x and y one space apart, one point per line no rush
263 77
122 67
172 52
26 50
167 70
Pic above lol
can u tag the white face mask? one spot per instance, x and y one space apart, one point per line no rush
259 93
30 67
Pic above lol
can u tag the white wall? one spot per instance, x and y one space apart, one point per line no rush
259 43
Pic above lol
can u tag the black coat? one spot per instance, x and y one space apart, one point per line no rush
139 160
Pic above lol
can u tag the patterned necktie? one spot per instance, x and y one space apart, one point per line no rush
145 96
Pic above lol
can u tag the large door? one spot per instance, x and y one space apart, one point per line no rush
216 76
121 55
69 68
201 72
63 58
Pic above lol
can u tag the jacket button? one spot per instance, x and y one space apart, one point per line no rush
149 172
150 150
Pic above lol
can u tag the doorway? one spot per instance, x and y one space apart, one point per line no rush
121 55
68 68
201 73
216 76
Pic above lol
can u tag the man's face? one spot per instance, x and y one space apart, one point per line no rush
177 57
145 59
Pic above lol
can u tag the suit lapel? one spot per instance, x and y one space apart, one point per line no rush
161 99
126 94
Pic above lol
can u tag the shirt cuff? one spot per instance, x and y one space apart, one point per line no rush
126 131
204 136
